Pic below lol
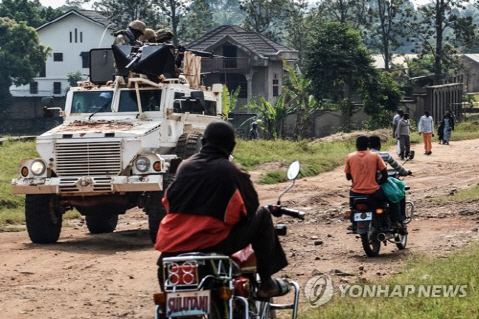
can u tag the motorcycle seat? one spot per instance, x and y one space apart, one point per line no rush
365 199
245 259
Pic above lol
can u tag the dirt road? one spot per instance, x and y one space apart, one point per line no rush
113 275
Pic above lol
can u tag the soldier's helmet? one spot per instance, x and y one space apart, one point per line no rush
138 25
163 35
149 35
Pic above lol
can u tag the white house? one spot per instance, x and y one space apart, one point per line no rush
70 37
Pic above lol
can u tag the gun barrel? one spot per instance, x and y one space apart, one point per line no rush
135 59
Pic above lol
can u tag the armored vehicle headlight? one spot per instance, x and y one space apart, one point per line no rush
143 164
38 167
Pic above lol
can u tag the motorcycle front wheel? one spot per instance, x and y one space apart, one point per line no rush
371 245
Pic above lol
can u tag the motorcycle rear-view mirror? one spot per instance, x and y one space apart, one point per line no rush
292 174
293 170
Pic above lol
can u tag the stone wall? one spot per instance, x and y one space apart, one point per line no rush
25 117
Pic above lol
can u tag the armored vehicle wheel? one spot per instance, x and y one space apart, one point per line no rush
155 211
101 224
43 217
100 219
154 207
188 144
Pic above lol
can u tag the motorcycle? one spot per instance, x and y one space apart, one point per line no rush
197 285
372 222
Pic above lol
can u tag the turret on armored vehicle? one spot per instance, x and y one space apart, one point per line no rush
124 133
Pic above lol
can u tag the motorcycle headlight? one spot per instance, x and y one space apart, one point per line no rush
142 164
38 167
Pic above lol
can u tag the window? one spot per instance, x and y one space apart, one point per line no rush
43 72
76 35
57 87
85 58
235 80
71 37
230 53
184 104
89 102
275 85
81 37
58 57
210 107
150 101
34 88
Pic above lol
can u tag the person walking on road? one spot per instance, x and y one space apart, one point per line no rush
403 131
426 128
448 127
396 119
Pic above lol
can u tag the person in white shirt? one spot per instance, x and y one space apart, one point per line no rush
426 128
396 119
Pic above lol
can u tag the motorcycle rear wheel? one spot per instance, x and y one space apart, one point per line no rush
371 246
401 241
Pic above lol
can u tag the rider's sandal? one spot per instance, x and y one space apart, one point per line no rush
282 288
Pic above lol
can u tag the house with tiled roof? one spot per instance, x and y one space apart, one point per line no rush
70 37
470 66
243 59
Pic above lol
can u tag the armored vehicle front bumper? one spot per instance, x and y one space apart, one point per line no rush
86 185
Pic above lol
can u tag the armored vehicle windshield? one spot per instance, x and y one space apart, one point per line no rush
91 101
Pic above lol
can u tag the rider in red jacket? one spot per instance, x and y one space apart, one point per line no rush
212 207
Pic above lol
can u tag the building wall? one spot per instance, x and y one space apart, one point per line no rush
57 37
471 70
25 117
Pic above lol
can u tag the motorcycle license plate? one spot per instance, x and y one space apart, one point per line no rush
360 217
188 303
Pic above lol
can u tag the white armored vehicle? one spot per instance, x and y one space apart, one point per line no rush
119 144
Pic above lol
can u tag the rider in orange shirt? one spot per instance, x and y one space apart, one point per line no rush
361 168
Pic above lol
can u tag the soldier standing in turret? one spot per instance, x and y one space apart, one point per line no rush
148 36
131 34
164 36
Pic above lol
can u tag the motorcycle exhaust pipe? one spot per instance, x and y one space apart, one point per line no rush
381 237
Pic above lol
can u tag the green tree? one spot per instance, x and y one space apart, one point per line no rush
352 12
338 65
175 11
380 96
264 16
387 26
226 12
300 100
21 56
298 24
229 101
74 78
270 116
198 20
29 11
439 24
122 12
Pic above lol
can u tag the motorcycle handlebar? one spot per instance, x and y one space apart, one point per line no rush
278 211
